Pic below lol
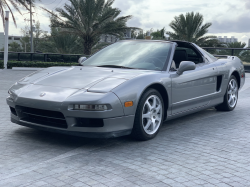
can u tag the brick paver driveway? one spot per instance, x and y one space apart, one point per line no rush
208 148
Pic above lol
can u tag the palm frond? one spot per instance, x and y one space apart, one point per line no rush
90 19
16 4
190 28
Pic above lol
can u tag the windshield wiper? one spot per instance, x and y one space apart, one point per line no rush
115 66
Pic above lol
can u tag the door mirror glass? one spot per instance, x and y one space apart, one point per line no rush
185 66
81 60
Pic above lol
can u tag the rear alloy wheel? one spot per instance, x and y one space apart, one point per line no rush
149 115
231 96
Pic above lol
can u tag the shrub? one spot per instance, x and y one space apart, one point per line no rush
1 65
33 64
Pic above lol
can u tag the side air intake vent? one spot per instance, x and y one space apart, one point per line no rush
219 81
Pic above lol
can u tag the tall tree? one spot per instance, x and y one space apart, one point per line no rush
15 47
159 34
61 42
190 28
89 19
6 5
38 37
242 54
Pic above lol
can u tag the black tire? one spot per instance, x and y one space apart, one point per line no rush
225 106
138 131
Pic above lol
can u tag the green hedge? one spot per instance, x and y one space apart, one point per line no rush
35 64
1 65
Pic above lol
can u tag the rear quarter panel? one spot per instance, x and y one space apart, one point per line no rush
226 67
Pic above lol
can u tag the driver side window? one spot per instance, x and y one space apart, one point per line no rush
185 54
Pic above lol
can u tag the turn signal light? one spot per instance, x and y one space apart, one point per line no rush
128 104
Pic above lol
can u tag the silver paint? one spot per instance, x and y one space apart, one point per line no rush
189 92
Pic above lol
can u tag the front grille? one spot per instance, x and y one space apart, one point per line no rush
42 117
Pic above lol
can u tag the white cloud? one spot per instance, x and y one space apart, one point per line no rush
229 18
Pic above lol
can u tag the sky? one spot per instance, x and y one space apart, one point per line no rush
228 18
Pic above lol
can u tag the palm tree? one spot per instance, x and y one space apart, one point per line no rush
89 19
190 28
236 45
5 4
242 54
59 42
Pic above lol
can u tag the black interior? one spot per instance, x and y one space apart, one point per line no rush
179 56
186 52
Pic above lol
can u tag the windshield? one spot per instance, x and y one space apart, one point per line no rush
132 54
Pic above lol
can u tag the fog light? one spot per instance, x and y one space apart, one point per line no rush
90 107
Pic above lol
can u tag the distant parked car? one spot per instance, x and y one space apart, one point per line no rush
130 87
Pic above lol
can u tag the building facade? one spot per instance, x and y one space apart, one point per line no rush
11 39
227 40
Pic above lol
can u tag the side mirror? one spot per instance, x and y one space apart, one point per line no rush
185 66
81 60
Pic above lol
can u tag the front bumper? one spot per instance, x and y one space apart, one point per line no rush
82 133
113 122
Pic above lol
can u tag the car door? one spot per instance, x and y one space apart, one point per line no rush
193 89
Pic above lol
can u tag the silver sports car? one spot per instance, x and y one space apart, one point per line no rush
129 87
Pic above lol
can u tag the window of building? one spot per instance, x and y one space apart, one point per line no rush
16 38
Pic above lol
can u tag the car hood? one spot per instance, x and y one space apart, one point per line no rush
92 78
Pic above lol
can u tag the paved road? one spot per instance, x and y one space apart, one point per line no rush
208 148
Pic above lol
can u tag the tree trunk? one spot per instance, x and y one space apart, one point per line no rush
88 42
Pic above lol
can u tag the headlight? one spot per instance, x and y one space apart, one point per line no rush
9 92
91 107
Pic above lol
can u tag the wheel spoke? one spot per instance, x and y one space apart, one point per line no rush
230 99
153 125
157 118
149 105
148 124
229 92
147 115
234 84
231 86
235 90
154 102
234 99
158 108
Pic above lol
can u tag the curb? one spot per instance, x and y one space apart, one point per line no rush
26 69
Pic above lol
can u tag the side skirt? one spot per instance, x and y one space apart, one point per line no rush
212 103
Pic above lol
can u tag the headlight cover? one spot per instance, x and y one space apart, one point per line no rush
90 107
9 92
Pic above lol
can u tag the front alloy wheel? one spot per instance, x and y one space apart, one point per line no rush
149 115
152 114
